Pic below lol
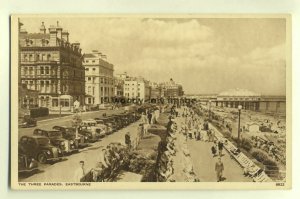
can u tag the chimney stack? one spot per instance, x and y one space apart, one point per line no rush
76 46
53 36
65 35
43 29
59 30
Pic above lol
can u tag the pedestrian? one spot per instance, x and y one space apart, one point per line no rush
140 131
220 147
128 140
213 150
198 135
219 168
149 117
80 172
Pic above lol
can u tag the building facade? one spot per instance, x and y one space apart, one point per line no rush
171 89
137 88
155 90
119 87
51 65
99 86
235 97
249 101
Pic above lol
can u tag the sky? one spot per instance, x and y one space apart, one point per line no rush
205 55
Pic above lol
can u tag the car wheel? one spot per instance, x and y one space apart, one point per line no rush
42 158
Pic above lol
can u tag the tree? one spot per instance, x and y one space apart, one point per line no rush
76 121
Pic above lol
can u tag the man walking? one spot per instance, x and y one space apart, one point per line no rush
80 172
219 168
128 140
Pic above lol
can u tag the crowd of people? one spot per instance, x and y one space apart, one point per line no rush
195 127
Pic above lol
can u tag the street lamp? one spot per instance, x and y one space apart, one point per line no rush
239 124
209 109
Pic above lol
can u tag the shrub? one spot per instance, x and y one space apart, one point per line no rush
271 168
39 112
246 144
259 155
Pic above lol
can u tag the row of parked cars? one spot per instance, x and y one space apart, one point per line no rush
45 146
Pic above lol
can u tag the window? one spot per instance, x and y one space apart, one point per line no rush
101 80
89 100
93 90
25 70
89 78
87 69
94 69
42 70
89 90
37 57
55 102
47 70
48 57
25 57
93 61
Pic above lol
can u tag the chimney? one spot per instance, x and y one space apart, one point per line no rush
65 35
23 31
42 29
53 36
76 46
59 30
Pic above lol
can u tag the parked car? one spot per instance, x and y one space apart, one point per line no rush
111 124
26 164
97 131
39 148
88 123
56 139
69 133
26 121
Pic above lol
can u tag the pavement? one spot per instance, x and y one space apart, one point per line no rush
204 163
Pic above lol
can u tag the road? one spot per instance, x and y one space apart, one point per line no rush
65 121
63 171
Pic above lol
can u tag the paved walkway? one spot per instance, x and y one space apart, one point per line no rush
204 163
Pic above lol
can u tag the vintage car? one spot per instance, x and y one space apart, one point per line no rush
121 120
69 133
26 164
98 131
26 121
111 124
39 148
56 139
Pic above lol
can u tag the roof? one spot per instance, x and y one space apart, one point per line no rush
238 93
35 36
89 56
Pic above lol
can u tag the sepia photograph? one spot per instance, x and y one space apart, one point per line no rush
150 102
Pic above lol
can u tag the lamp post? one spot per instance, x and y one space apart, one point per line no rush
209 109
239 124
59 103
